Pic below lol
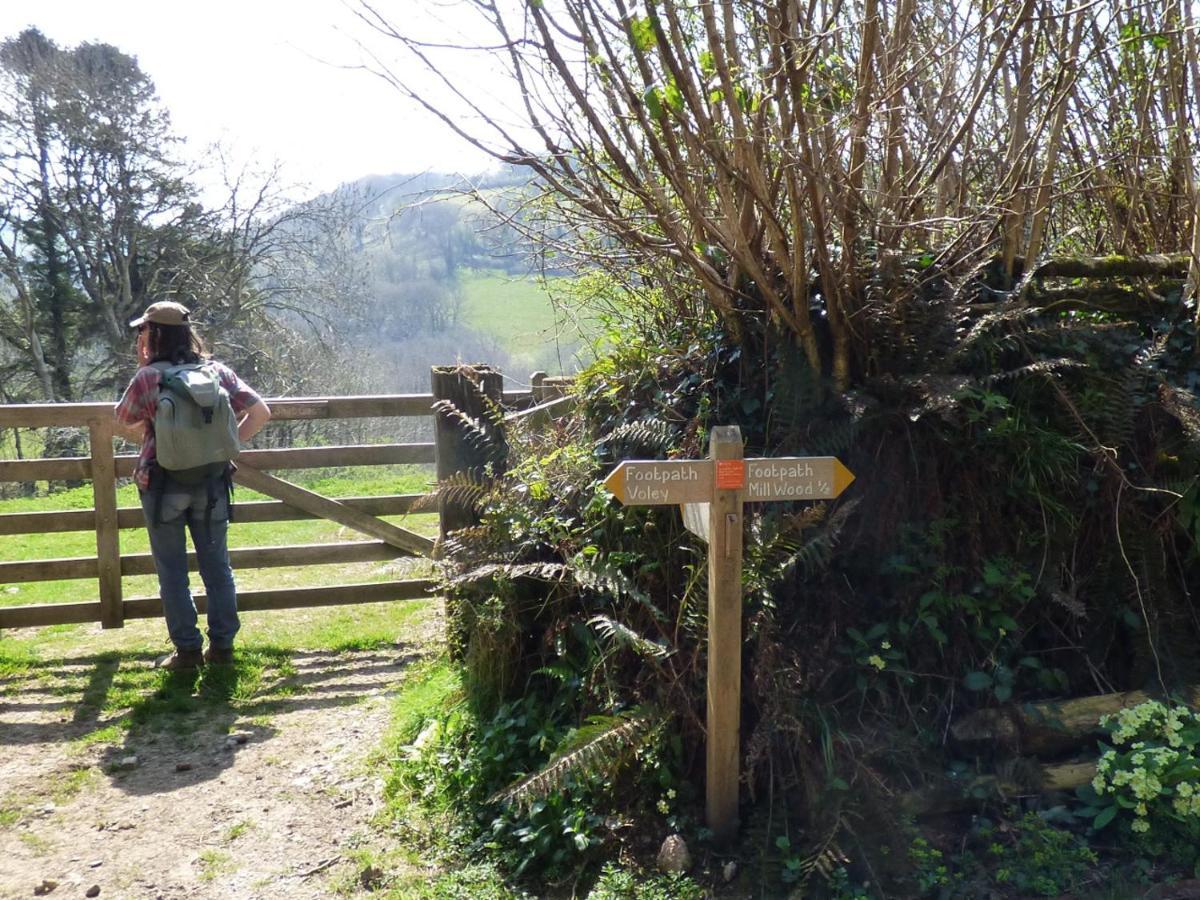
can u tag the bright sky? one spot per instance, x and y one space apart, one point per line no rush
271 79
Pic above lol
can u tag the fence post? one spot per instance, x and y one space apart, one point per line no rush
108 540
537 381
467 433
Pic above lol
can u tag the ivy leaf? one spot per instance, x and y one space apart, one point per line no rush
977 681
877 631
1005 621
1190 736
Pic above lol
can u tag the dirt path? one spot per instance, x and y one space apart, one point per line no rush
281 809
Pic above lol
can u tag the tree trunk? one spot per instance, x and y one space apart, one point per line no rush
1046 729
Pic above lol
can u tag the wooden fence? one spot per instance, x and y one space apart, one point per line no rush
290 502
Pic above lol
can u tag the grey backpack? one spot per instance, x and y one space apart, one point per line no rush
195 430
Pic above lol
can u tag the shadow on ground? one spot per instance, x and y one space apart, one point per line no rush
182 721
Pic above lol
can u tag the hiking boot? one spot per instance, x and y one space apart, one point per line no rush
219 656
181 661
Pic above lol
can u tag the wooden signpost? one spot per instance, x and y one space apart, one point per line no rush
724 482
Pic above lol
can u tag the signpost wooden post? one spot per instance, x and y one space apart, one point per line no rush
725 482
724 631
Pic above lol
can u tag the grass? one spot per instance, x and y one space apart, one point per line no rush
108 675
213 863
372 481
471 882
72 783
39 845
519 314
428 691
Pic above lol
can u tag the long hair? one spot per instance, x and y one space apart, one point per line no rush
176 344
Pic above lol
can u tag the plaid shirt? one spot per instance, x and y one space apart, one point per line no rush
140 403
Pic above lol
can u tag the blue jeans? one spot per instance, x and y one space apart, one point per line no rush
182 505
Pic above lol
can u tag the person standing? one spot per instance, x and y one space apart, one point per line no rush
165 338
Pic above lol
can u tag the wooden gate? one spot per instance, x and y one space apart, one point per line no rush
291 502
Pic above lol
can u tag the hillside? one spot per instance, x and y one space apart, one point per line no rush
445 271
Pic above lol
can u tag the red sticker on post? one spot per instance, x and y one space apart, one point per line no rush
731 474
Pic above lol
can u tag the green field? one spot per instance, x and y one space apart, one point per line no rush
394 479
521 316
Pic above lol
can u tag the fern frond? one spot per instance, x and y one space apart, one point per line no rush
826 858
596 749
460 488
479 432
1041 367
804 519
541 571
652 436
836 437
825 861
797 390
1009 315
816 553
939 393
625 637
463 541
606 579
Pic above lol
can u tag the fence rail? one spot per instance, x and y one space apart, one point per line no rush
290 502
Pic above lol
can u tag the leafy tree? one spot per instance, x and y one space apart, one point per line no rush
99 217
875 193
763 157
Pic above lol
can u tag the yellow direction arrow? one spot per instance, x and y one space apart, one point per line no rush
795 478
661 483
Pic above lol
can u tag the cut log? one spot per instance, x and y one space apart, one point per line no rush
1046 729
1174 265
952 796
